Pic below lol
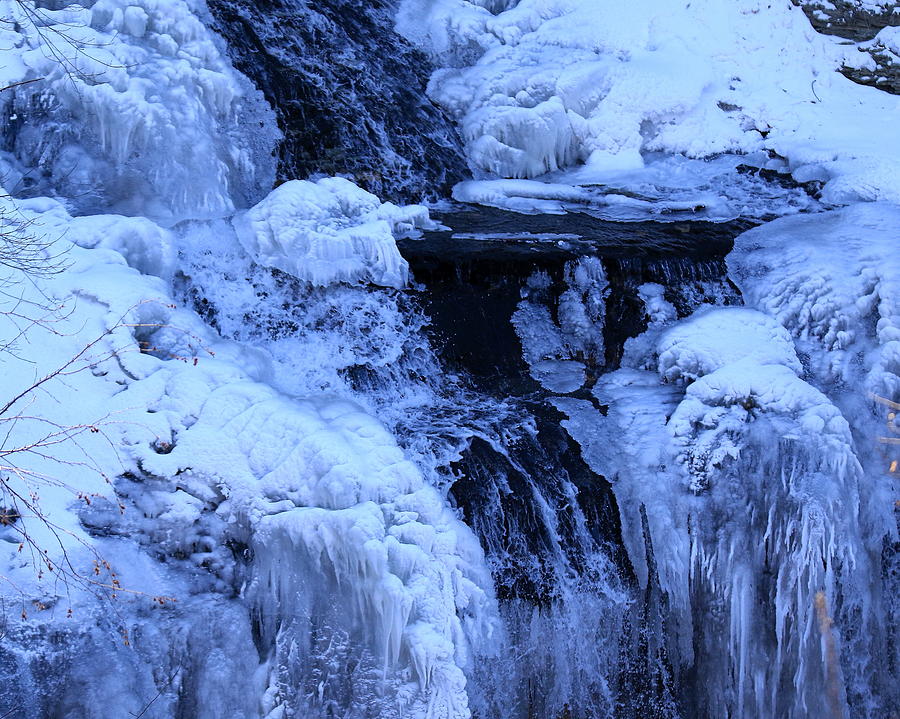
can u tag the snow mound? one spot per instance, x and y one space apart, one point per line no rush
144 109
329 231
833 280
710 340
540 85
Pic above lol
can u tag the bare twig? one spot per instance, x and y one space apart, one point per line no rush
158 695
19 84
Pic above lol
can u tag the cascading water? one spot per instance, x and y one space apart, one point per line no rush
479 425
339 112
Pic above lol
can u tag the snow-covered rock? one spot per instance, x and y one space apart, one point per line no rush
329 231
712 339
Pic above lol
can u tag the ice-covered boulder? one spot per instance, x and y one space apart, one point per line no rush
329 231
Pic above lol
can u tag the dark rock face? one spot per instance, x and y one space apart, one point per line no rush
475 273
348 91
886 74
848 18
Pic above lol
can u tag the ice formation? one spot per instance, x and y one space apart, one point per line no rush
329 231
330 509
540 85
834 281
749 485
148 117
275 453
287 514
757 495
714 339
556 350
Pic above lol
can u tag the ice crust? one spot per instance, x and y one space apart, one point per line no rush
541 85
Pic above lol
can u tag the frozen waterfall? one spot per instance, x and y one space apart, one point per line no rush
303 419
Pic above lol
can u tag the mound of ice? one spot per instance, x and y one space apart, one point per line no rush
143 105
739 493
833 280
329 231
717 407
540 85
712 339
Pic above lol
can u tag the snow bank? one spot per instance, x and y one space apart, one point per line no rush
541 85
329 231
148 116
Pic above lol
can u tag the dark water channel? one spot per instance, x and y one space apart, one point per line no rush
583 640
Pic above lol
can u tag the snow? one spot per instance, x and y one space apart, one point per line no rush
329 231
550 84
